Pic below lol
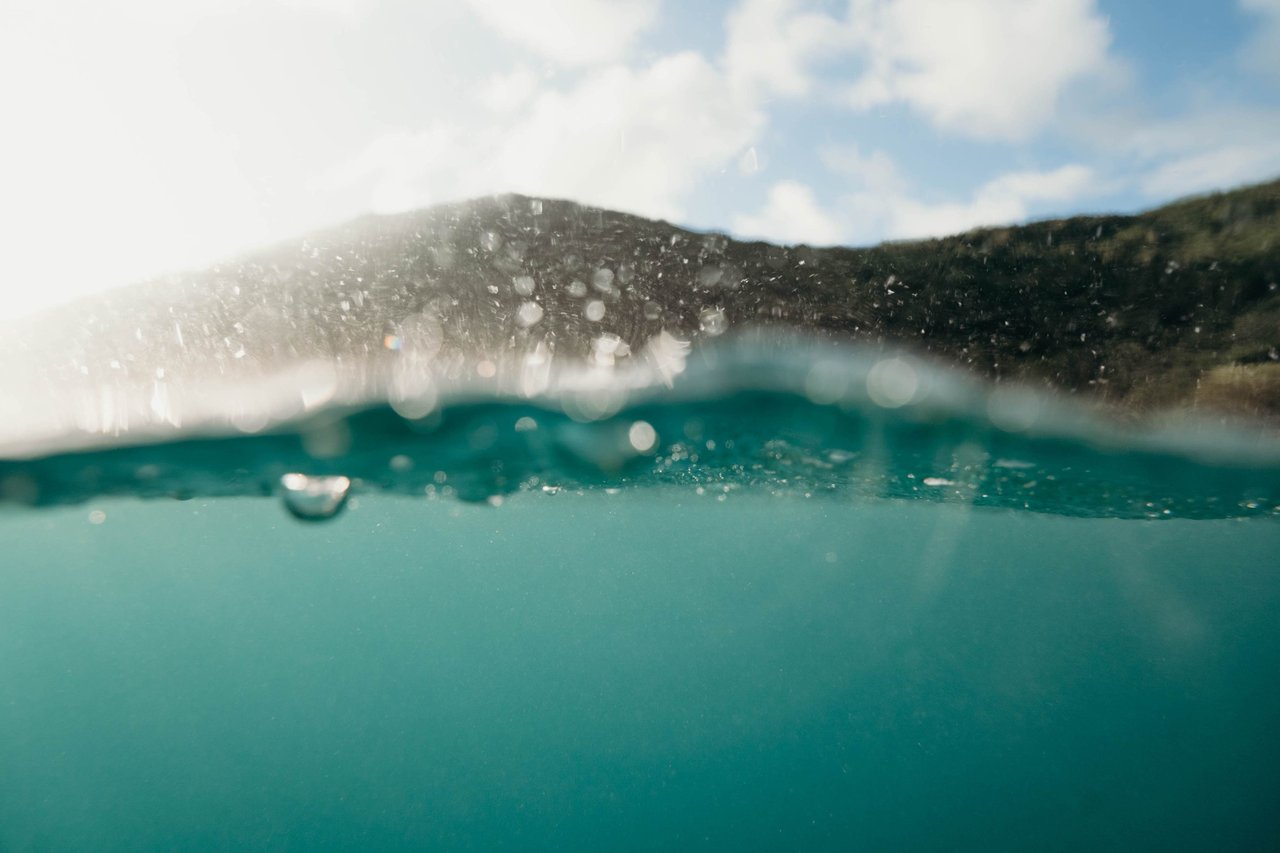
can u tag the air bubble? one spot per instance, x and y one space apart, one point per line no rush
314 498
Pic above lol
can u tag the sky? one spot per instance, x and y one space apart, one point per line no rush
147 136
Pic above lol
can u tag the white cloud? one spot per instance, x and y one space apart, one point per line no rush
506 93
987 69
874 171
879 204
1219 168
884 199
771 44
791 215
1004 200
1066 183
395 166
1210 147
632 139
990 69
570 32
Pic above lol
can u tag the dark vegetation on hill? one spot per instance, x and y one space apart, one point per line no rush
1179 306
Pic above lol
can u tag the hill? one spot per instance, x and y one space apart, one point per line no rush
1176 307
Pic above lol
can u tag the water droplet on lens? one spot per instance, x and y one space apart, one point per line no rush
642 436
314 498
826 382
892 383
713 321
529 314
710 276
602 280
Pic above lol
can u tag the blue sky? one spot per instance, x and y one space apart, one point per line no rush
152 135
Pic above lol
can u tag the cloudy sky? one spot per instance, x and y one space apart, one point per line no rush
148 135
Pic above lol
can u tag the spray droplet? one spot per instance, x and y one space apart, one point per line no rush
314 498
713 321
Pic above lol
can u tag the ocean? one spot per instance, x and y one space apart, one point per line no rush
825 600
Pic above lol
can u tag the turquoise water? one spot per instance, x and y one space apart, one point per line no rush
644 670
749 613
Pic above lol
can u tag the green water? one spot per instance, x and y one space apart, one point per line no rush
651 669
